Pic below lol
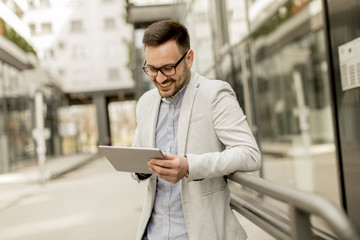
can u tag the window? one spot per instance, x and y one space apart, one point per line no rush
79 51
61 45
112 49
74 3
113 74
109 23
46 27
80 76
44 3
76 26
18 11
31 3
61 72
32 28
48 53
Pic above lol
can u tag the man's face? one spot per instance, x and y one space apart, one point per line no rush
164 55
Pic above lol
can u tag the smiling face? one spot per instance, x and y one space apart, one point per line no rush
168 54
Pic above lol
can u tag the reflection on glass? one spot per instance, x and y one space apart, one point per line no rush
293 108
16 143
297 138
201 35
236 13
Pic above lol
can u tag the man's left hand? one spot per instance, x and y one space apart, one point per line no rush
172 169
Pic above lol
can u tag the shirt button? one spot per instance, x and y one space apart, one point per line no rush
165 216
172 105
167 194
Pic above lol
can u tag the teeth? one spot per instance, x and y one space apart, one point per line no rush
165 84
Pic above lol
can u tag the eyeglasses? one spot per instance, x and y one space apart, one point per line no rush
167 70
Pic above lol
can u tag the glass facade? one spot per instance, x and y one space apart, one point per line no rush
275 59
293 96
17 118
295 113
16 143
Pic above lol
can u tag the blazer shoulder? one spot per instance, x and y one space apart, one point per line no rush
214 87
212 84
148 96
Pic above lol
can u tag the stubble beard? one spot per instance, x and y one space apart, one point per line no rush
184 79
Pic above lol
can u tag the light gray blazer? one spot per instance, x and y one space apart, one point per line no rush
215 136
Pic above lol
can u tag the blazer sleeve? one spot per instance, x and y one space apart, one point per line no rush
240 153
137 139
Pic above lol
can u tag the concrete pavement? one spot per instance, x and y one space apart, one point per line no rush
55 167
16 187
25 178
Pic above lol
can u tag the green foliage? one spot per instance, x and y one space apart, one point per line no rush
282 15
10 34
127 7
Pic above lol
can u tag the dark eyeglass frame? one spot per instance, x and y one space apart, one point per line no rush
144 67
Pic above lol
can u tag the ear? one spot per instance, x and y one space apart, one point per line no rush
190 58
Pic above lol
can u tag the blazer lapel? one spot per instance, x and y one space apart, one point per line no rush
185 112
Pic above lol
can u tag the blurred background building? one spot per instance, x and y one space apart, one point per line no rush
19 60
78 53
87 46
280 56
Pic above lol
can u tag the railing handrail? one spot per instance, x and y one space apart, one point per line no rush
302 205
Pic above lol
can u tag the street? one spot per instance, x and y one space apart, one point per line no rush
93 202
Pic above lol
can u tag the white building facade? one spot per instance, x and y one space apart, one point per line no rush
84 44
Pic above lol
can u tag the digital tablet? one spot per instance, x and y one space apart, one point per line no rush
130 159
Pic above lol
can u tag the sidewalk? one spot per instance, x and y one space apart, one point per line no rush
18 184
55 167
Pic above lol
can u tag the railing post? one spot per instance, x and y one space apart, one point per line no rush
300 224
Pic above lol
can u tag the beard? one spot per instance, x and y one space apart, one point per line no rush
178 83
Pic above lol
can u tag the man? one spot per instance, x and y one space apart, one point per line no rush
200 127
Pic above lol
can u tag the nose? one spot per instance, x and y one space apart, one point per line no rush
160 77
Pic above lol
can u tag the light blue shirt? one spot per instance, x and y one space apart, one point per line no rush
167 218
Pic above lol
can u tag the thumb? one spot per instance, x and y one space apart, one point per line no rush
169 157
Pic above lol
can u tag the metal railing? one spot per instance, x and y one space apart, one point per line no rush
302 205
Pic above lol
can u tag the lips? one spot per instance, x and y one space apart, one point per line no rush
165 84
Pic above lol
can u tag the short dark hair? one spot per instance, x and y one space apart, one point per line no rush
160 32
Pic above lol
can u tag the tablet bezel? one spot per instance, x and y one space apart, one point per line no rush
130 159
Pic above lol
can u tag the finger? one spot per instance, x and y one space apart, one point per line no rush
167 174
154 161
161 163
160 171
